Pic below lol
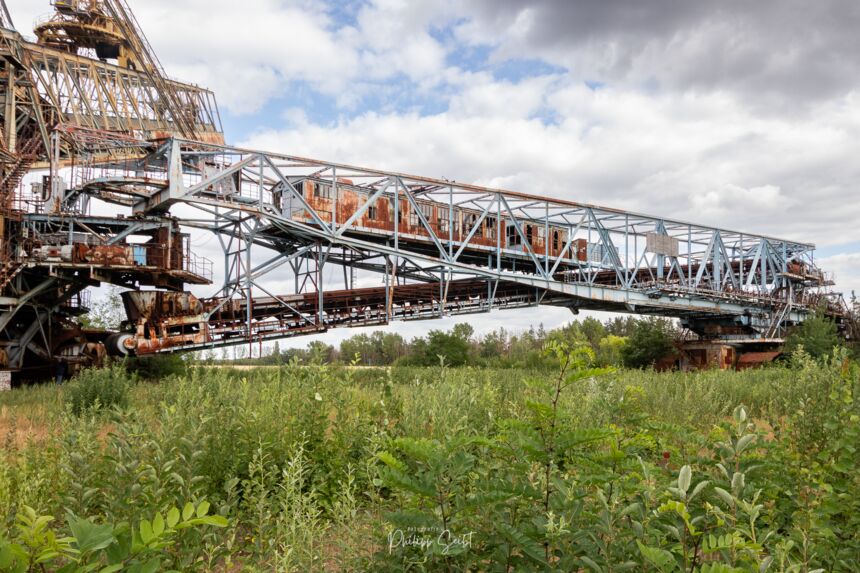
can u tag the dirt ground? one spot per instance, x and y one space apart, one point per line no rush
17 428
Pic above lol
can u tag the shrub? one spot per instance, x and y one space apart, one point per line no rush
156 367
817 335
98 388
343 469
610 350
104 547
452 347
650 341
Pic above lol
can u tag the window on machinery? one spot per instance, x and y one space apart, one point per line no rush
322 190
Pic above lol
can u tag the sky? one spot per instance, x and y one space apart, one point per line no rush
725 112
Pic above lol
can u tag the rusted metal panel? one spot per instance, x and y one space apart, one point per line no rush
156 305
756 359
53 253
580 248
320 196
107 255
160 321
700 355
142 346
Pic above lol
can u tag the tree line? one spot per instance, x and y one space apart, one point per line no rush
620 341
632 342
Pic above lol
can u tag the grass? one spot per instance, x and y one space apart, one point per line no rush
291 455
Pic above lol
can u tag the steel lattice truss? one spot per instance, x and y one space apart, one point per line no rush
443 233
50 87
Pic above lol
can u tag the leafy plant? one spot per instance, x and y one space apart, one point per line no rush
818 336
319 467
93 547
651 340
96 389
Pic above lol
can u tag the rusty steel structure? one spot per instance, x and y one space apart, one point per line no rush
88 111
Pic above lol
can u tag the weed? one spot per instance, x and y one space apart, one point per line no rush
318 468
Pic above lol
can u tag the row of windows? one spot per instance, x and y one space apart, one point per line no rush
530 231
488 228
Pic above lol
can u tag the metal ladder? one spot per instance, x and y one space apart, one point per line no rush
779 317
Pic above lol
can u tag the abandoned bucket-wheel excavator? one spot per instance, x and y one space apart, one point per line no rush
90 120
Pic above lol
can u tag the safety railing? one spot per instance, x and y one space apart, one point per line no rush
197 265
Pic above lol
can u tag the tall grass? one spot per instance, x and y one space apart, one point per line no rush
290 454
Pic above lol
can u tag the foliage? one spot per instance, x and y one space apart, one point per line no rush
106 312
156 367
98 388
93 547
375 349
633 342
451 348
817 335
651 340
630 341
329 468
854 326
610 350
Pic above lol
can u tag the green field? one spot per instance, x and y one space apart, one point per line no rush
327 468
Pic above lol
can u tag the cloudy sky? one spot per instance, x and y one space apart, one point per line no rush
725 112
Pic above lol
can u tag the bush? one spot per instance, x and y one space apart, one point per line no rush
343 469
817 335
651 340
156 367
98 388
610 350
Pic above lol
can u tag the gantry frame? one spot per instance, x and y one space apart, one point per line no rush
252 199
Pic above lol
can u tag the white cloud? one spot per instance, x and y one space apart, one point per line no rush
482 96
253 52
392 37
845 269
779 54
703 158
725 201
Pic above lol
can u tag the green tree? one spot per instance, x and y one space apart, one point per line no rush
106 312
319 352
621 325
378 348
463 331
650 340
610 351
494 345
594 331
392 346
818 335
854 326
452 346
359 345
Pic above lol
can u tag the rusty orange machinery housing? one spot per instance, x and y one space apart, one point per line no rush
83 24
164 261
157 321
446 221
